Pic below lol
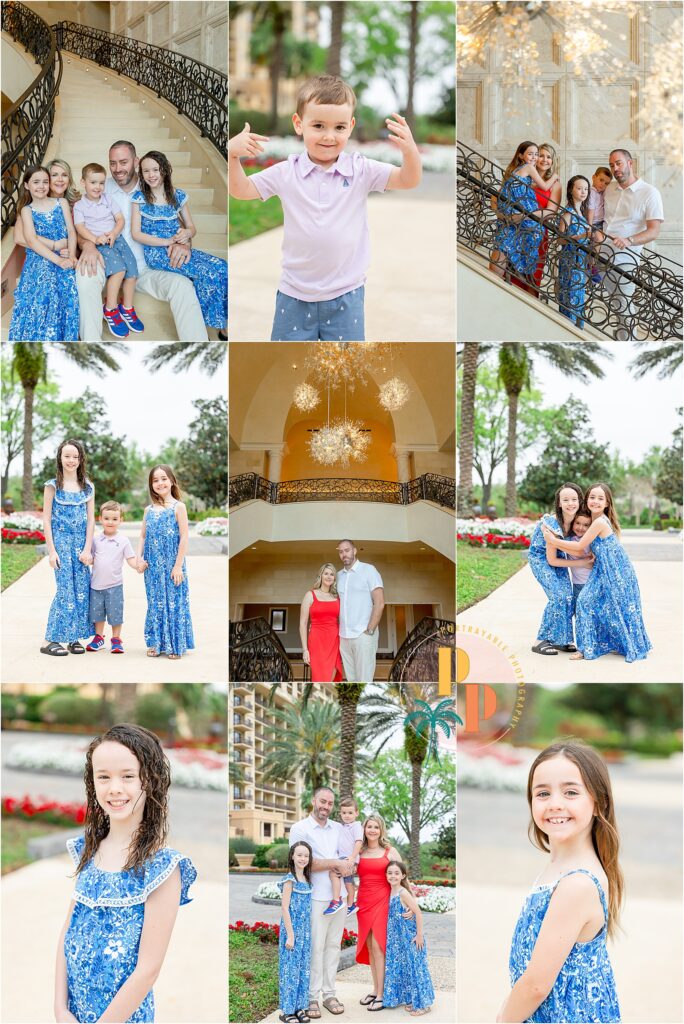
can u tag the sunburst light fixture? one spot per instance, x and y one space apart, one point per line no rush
343 362
354 440
325 445
306 397
393 394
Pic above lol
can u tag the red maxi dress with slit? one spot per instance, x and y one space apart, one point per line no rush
373 903
324 641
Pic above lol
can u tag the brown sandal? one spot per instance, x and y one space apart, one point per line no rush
314 1010
333 1005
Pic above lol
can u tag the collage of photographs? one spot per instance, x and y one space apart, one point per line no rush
342 393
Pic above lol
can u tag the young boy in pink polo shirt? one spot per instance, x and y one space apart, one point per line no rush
109 550
324 192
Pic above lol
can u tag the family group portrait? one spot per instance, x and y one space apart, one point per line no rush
568 910
569 171
114 225
353 873
569 529
114 525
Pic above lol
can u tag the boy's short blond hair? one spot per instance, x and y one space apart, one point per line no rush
111 506
604 170
325 89
349 801
92 169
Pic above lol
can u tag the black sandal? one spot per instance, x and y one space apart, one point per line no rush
544 647
76 647
302 1017
375 1009
566 648
55 649
289 1018
367 1000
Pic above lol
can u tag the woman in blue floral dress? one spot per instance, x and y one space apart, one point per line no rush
572 264
407 975
518 238
129 885
294 944
45 299
567 914
608 610
160 215
69 523
161 556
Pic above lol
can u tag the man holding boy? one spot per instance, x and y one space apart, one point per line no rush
109 550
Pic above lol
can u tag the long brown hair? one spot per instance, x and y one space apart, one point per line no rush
557 505
610 511
155 778
80 469
404 870
291 864
604 833
518 158
584 205
25 197
165 171
175 489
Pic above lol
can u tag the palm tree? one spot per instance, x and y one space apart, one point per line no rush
666 359
470 352
181 355
305 740
30 363
429 720
348 697
516 362
333 63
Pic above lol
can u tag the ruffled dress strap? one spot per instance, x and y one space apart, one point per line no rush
297 886
97 888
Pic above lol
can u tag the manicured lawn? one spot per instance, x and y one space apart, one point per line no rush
16 560
16 833
248 218
253 978
479 571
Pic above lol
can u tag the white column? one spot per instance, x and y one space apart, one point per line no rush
276 454
402 455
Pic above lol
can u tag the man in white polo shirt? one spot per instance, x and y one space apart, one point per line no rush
362 600
323 836
633 214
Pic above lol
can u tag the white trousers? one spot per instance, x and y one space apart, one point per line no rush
358 657
175 289
620 290
326 946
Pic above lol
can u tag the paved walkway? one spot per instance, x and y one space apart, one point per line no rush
25 607
410 293
513 611
350 992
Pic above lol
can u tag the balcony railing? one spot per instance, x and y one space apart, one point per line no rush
256 654
417 659
637 298
27 125
197 91
428 487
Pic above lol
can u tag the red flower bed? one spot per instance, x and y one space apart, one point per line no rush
43 809
22 536
266 932
433 881
495 540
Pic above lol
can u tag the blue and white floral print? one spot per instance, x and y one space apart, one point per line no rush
102 940
608 610
556 623
45 300
584 990
69 617
519 242
294 964
209 274
407 976
168 626
572 270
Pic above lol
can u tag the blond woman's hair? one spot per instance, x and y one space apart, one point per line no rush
72 194
383 841
319 579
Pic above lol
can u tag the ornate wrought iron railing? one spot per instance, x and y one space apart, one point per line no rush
27 126
417 659
428 487
255 654
617 292
195 90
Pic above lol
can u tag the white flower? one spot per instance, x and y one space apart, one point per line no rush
481 527
114 948
436 898
268 891
433 158
22 522
216 527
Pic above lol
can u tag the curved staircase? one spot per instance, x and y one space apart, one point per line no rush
96 107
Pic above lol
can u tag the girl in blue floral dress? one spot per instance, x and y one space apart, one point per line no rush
294 944
69 523
517 237
161 556
45 300
608 610
160 215
574 907
572 265
129 885
407 975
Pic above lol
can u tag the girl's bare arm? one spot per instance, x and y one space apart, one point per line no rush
182 519
285 911
61 989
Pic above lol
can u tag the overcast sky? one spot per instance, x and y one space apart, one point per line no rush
147 407
626 414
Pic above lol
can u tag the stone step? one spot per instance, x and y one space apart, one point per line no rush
208 220
81 133
72 117
80 156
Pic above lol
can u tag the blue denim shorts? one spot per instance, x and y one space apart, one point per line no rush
107 605
348 878
118 257
339 319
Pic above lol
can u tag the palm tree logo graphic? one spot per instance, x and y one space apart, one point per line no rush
429 719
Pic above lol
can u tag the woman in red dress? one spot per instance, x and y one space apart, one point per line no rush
373 904
319 627
547 199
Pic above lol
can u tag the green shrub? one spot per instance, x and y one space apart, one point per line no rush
260 856
645 517
28 705
70 709
675 524
153 711
278 852
240 844
659 745
9 706
657 524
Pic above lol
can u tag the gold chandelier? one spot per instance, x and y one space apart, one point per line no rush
339 362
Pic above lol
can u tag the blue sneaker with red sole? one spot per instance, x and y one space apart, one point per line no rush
114 322
131 319
117 646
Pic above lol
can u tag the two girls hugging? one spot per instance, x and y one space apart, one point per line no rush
83 602
600 589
